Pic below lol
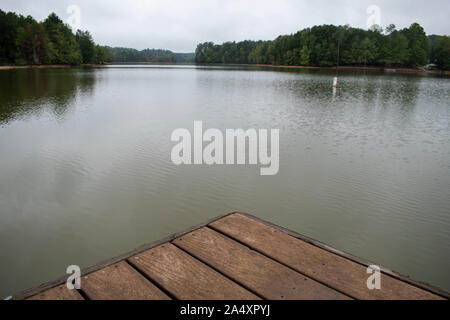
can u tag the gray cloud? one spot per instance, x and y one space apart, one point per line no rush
179 25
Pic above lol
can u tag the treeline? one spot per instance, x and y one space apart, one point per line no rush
148 55
321 45
23 40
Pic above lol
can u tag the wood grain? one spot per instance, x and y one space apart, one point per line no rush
120 282
262 275
58 293
185 277
335 271
236 257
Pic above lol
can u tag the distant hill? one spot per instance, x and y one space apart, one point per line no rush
119 54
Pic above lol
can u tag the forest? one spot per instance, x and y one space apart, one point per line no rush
148 55
25 41
323 46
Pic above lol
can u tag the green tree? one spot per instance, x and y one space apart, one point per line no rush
390 28
304 56
417 45
86 45
318 46
376 28
395 50
64 47
101 55
368 51
23 40
9 24
441 52
31 43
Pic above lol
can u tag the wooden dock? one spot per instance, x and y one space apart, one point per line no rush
235 257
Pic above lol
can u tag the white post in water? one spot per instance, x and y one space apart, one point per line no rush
335 82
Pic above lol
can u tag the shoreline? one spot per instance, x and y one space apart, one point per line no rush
48 66
57 66
342 68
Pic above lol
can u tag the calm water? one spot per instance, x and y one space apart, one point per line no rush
85 170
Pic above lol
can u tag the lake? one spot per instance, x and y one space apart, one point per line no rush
86 173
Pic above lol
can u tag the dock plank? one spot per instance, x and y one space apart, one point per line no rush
186 278
326 267
237 257
120 282
262 275
58 293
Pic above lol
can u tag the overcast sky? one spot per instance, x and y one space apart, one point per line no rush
179 25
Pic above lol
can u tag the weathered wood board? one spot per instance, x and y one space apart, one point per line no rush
234 257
